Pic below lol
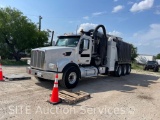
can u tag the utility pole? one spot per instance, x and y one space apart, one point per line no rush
40 18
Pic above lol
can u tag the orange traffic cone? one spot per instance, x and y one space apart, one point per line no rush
55 96
1 73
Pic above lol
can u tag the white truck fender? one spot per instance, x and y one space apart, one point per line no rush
62 64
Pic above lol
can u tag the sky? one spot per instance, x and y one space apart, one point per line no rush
136 21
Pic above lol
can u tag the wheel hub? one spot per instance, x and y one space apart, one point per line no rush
125 70
72 77
120 70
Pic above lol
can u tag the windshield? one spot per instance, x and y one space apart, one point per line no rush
68 41
151 62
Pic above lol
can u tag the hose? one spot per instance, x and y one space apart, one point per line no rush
103 44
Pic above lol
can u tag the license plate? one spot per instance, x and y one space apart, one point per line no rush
39 74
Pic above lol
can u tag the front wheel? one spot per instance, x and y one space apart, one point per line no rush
70 78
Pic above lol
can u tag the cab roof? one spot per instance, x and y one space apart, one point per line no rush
70 36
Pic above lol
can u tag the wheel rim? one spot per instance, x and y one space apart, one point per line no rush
129 69
119 71
125 70
72 77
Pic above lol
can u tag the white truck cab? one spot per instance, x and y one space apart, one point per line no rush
77 56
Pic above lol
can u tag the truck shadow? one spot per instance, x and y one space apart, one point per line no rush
126 83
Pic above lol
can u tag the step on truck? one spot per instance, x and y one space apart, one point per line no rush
76 56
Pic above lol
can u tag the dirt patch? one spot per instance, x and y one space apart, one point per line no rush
129 97
145 97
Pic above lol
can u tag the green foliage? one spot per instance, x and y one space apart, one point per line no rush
158 56
133 52
14 62
137 66
18 33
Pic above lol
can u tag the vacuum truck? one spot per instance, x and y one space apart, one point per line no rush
73 57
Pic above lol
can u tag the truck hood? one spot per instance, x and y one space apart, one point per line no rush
54 48
54 54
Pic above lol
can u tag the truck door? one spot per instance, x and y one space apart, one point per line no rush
84 56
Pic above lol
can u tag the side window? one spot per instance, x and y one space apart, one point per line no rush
84 45
81 44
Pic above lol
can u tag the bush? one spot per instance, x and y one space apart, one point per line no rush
14 62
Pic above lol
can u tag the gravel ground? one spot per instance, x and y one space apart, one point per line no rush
131 97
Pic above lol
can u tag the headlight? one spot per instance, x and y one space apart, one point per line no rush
52 66
28 62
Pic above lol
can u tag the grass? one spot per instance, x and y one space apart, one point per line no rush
137 66
140 67
14 62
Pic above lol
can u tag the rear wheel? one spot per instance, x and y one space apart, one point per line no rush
118 71
124 69
128 69
70 78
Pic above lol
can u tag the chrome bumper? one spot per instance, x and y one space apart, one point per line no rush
43 74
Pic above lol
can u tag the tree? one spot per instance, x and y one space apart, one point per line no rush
18 33
158 56
133 52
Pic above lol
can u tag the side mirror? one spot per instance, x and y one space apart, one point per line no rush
85 44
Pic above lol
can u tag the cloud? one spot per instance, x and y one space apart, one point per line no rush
98 13
151 34
115 0
117 8
116 33
86 17
149 39
70 21
157 12
86 27
130 3
143 5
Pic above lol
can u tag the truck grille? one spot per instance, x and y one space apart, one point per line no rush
37 59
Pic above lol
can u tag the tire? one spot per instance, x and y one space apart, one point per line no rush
124 70
70 78
118 71
128 69
155 69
